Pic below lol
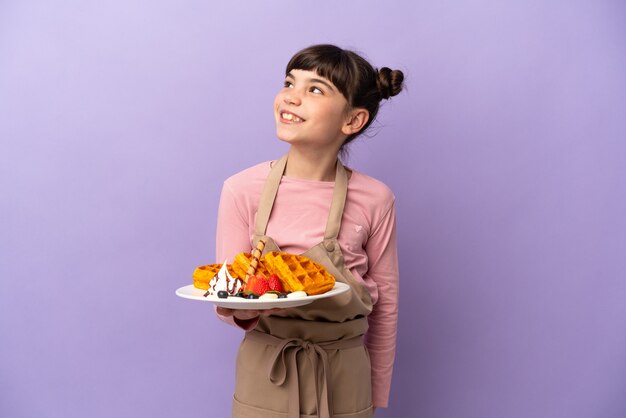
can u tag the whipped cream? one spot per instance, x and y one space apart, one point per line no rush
224 281
297 294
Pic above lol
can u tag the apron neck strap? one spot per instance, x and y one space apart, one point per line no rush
270 190
268 195
339 201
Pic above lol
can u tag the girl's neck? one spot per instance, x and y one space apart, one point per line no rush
311 165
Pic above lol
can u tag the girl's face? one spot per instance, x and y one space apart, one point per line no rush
310 112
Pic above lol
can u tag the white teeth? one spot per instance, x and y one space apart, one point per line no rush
289 116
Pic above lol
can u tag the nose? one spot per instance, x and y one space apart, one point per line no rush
292 97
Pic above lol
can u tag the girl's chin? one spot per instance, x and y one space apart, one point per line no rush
308 143
295 142
287 138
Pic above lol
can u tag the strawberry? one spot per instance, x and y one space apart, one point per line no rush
250 283
261 286
257 284
275 283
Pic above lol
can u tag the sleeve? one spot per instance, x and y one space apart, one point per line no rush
380 339
232 237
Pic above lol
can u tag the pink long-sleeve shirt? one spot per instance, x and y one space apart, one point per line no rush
367 238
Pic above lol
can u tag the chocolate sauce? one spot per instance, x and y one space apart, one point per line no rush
232 286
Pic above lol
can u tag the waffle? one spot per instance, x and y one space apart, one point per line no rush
202 275
241 264
299 273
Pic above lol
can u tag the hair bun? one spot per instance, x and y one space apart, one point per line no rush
389 82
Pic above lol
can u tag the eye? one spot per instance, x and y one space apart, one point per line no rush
287 84
316 90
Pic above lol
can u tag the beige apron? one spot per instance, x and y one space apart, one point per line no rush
308 361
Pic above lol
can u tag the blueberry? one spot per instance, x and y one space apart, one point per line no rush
282 295
252 296
222 294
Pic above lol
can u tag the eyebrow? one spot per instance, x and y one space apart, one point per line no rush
315 80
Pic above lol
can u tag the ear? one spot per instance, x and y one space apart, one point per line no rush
356 120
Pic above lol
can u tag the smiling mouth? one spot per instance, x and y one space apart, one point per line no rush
290 117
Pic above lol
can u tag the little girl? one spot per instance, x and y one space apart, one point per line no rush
333 357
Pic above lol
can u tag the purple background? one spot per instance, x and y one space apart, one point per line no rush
119 121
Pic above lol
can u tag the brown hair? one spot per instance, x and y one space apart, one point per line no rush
361 84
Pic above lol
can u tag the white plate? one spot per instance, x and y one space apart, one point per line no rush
236 302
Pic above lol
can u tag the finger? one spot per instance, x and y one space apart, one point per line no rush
224 311
246 313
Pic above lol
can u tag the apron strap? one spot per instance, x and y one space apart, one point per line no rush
270 190
268 195
339 201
